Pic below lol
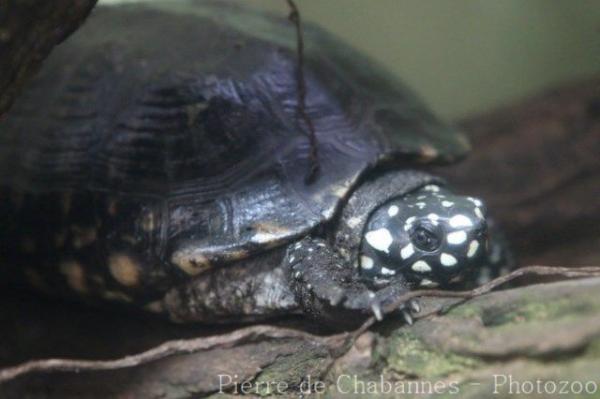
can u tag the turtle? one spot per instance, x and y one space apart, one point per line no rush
158 160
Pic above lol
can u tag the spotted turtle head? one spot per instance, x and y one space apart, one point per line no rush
429 236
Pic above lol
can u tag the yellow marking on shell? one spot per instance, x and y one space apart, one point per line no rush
124 269
341 191
28 245
116 296
83 236
428 153
111 209
270 228
75 275
268 233
66 201
237 254
148 222
154 307
191 262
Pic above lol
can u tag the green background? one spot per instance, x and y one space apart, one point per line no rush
466 56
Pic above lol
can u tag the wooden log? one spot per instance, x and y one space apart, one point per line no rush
546 332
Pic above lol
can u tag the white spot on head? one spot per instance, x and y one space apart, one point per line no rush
457 221
456 237
479 213
434 218
477 202
407 251
421 266
292 259
380 239
409 222
447 204
393 211
389 272
447 259
431 187
366 262
420 205
473 247
420 197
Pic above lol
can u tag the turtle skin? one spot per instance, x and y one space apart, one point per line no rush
140 159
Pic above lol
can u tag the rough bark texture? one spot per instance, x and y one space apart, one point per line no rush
548 331
536 163
29 29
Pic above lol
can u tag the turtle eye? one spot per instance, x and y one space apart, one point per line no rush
424 238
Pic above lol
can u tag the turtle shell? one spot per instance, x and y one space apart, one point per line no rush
182 123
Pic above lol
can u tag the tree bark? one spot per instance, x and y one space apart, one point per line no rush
29 29
547 332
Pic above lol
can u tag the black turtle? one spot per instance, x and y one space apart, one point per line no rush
158 159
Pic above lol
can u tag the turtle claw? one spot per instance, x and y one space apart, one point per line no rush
337 296
414 306
407 317
325 288
377 311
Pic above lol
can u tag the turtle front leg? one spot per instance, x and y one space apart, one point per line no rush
252 290
326 287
